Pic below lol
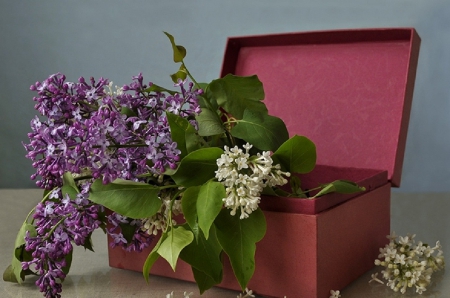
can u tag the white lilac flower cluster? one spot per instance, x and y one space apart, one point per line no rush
159 221
407 264
245 177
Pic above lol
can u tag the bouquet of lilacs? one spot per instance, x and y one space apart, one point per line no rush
184 168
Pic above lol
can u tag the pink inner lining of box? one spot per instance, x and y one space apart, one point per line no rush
346 97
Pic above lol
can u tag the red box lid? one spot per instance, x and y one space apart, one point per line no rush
349 91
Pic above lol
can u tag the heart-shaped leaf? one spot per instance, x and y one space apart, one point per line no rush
177 239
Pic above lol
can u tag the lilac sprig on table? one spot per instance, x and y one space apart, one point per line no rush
408 264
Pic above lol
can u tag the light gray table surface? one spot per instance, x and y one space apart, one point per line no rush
426 215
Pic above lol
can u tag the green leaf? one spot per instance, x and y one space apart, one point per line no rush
177 239
128 198
203 280
14 272
197 167
69 186
180 74
179 52
296 187
275 192
183 133
206 101
340 186
69 181
20 238
152 257
236 94
205 255
263 131
209 204
128 231
8 274
88 243
157 88
209 123
128 112
296 155
238 238
189 207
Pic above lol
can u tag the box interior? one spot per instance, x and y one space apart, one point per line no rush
348 91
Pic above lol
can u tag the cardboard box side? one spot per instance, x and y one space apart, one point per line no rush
349 238
307 254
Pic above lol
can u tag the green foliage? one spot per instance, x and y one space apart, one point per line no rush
197 167
69 186
204 256
236 94
339 186
297 155
157 88
263 131
131 199
238 239
179 52
177 239
203 280
189 207
209 123
181 74
14 272
184 134
152 257
209 204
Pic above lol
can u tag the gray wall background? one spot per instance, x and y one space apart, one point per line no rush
118 39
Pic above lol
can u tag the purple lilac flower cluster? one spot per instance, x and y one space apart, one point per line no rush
149 122
59 222
94 133
140 238
86 130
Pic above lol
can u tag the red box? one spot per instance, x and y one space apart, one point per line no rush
350 92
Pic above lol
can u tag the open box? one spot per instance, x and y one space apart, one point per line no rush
350 92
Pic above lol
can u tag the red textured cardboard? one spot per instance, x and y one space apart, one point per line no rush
350 92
